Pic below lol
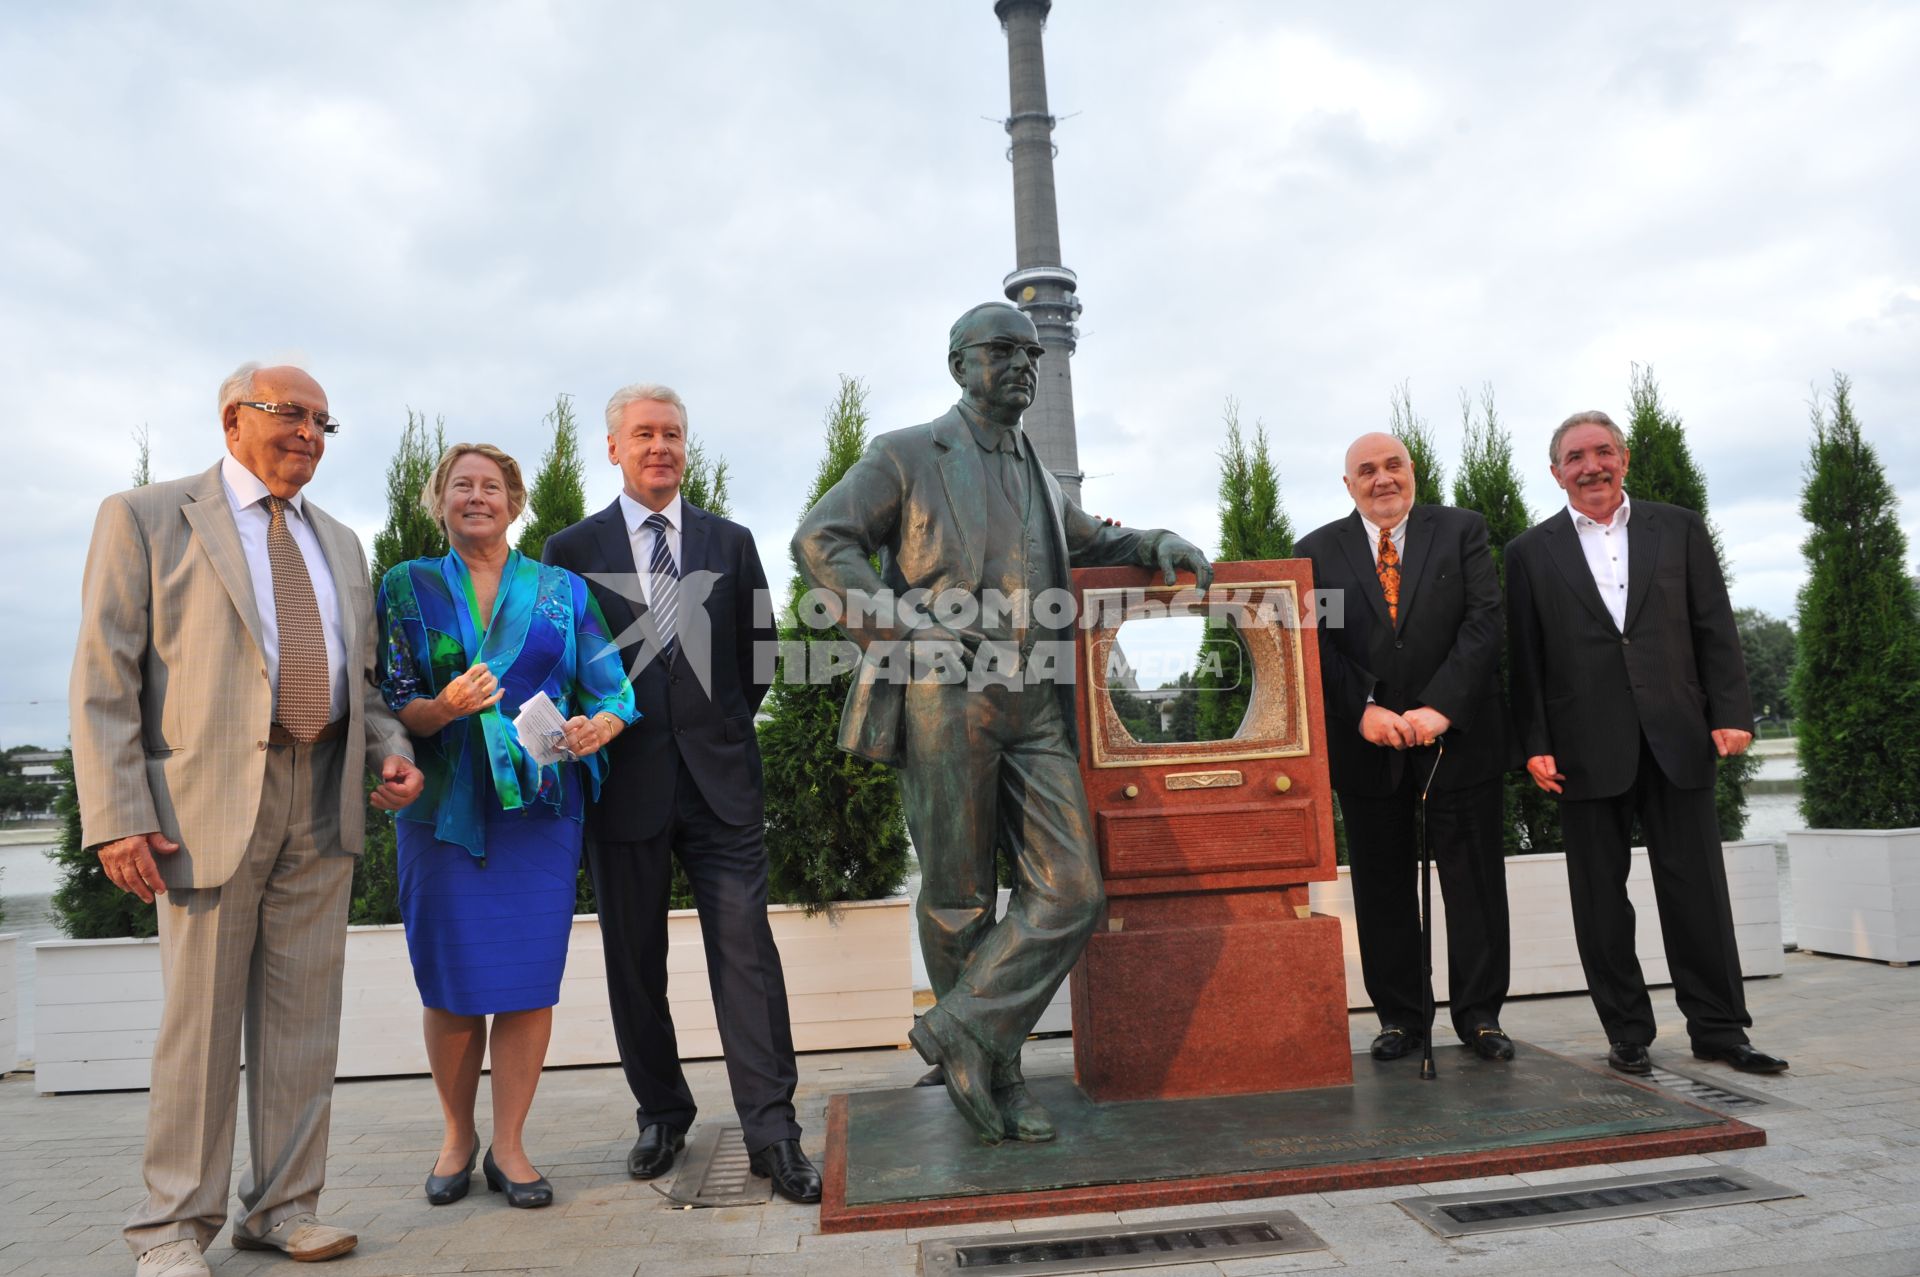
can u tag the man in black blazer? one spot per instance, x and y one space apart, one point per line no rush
1416 659
1627 682
684 591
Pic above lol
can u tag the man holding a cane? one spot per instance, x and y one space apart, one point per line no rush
1417 658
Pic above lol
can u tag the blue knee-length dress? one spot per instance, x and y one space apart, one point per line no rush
489 852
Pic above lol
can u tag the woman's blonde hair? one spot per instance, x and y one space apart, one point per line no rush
433 497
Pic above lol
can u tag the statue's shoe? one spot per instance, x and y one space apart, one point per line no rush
968 1072
1024 1117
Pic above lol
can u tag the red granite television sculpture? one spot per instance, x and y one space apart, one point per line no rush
1209 973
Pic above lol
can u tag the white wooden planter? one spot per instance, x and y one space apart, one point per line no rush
1540 913
1545 957
1856 892
849 984
96 1007
9 1006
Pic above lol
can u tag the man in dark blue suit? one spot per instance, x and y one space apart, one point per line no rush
684 591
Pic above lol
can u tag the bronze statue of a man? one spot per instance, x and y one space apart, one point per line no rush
961 509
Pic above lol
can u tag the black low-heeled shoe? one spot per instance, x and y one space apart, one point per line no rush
445 1189
528 1196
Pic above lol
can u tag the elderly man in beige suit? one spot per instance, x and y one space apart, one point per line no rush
223 710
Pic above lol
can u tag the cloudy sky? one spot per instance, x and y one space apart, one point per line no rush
469 208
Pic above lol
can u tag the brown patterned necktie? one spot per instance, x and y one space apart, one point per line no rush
301 703
1388 569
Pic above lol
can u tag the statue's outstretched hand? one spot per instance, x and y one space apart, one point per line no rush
1176 553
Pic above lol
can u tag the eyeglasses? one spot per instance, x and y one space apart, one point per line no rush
293 414
1003 349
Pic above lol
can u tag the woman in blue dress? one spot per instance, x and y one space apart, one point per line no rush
489 853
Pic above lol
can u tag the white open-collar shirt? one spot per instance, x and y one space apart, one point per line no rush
1605 545
641 537
247 498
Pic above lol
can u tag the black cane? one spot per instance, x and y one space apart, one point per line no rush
1427 1073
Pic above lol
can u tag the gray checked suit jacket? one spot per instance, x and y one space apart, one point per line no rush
170 700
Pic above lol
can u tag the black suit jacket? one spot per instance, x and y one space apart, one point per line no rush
1444 652
1584 690
709 728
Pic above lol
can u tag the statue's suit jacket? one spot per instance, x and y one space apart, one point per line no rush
917 500
170 699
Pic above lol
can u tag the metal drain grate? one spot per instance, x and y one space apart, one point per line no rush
715 1171
1076 1250
1721 1097
1496 1210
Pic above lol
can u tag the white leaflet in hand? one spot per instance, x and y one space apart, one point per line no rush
542 730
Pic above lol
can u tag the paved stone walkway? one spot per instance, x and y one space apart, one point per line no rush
69 1171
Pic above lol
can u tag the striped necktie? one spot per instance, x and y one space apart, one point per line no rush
664 584
302 695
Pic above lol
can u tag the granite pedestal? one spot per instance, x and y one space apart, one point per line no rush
1220 993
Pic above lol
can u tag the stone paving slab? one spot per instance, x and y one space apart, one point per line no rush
69 1171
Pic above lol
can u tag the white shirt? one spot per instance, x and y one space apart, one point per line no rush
1399 537
247 498
641 536
1605 545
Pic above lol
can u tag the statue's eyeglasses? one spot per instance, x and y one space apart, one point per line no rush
293 414
1003 350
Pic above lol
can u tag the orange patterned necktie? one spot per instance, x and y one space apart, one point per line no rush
302 697
1388 570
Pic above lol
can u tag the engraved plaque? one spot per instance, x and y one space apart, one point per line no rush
1205 780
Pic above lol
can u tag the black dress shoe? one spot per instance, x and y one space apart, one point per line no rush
443 1189
793 1176
1394 1042
1490 1042
530 1195
652 1154
1629 1057
1743 1057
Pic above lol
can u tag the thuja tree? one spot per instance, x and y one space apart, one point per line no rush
1662 469
1767 646
1856 684
410 533
1252 526
1411 429
835 830
705 481
557 497
1488 483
